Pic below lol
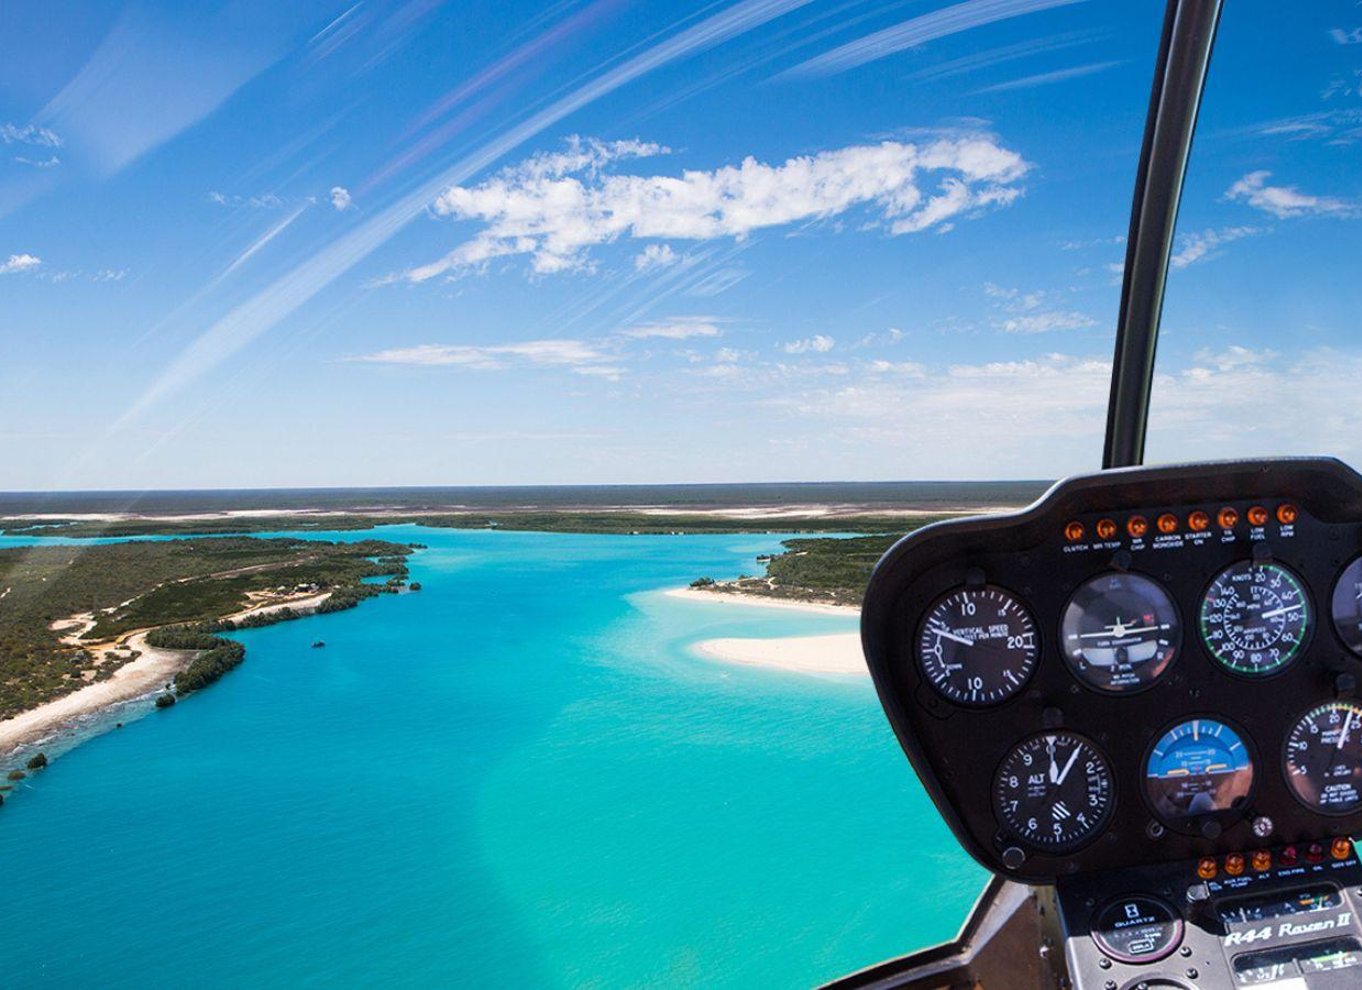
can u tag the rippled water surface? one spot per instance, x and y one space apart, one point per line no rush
520 774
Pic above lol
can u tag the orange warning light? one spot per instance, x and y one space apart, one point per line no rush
1168 523
1228 518
1206 868
1286 513
1073 532
1262 860
1198 521
1341 848
1257 516
1106 529
1137 526
1234 864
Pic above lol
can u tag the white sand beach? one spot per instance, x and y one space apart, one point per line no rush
839 653
760 601
145 676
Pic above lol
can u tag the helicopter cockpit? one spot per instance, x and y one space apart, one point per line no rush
1137 702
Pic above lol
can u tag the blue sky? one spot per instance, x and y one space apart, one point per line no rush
258 244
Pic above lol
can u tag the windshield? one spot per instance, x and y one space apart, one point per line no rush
446 445
1257 351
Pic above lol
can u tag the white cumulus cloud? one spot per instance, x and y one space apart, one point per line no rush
340 198
19 263
555 208
1285 202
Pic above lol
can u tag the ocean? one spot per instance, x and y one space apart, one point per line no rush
518 776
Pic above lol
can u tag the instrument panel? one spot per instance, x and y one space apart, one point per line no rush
1147 665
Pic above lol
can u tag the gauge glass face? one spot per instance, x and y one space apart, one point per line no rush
1346 607
977 646
1323 760
1120 632
1255 618
1199 767
1054 791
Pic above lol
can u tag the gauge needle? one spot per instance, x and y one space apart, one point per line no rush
1054 767
1068 766
1343 732
1119 631
1279 611
946 634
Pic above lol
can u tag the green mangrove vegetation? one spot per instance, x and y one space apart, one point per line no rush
64 609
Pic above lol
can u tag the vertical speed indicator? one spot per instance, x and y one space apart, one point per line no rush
977 646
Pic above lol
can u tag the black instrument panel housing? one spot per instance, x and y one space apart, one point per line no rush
956 750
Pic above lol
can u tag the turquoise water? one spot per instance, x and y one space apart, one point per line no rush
520 775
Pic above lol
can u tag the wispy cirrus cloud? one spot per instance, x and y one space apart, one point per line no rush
676 328
153 77
1048 78
578 356
30 134
1047 321
51 161
978 61
265 201
1339 126
19 263
554 209
286 294
1203 245
1034 311
920 30
1286 202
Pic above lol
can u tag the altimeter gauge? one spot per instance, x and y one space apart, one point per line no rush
1199 768
977 646
1255 618
1054 791
1323 758
1120 632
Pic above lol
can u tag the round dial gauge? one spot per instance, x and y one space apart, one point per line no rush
1323 759
1199 767
1120 632
1255 618
1346 607
977 646
1054 791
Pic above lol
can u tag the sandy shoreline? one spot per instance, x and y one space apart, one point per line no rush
747 513
836 653
839 653
143 677
759 601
